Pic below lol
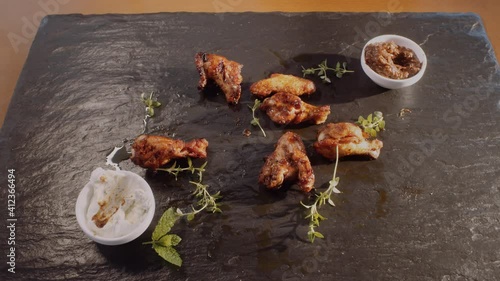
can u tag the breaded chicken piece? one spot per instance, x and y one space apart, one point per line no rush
153 152
284 108
288 162
225 73
350 139
282 83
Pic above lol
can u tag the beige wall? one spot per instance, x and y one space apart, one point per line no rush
15 13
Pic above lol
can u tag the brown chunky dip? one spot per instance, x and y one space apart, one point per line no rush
391 60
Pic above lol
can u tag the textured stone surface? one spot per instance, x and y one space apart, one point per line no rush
427 209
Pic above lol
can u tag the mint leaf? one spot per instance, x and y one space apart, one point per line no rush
166 222
169 240
169 254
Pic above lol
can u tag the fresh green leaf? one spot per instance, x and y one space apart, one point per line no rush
319 235
373 124
166 222
150 112
150 103
169 254
381 124
330 201
169 240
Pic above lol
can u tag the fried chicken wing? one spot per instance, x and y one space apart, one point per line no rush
350 139
225 73
153 152
285 108
282 83
288 162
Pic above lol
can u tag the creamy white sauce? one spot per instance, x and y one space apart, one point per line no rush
117 205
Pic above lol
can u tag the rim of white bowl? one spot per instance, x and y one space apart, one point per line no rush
81 207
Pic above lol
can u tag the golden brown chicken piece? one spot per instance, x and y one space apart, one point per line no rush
288 162
282 83
153 152
284 108
350 139
225 73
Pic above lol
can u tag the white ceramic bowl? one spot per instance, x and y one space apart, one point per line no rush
388 82
85 196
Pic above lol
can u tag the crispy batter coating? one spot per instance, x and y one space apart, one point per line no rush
282 83
225 73
288 162
350 139
153 152
284 108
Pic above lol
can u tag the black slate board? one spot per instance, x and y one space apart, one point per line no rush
427 209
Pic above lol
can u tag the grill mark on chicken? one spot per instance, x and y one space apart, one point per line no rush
153 152
288 162
225 73
350 139
285 108
282 83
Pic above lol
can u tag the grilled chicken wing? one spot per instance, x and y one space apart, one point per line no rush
155 151
350 139
282 83
284 108
225 73
288 162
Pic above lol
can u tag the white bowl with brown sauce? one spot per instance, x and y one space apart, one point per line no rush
393 61
115 207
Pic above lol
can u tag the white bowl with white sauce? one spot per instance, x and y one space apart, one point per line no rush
115 207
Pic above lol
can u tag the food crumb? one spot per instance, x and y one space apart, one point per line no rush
247 132
403 112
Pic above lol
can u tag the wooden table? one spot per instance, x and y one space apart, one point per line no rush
19 20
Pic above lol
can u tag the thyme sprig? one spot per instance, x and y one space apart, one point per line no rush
373 124
255 120
205 199
163 242
151 103
321 199
175 169
322 69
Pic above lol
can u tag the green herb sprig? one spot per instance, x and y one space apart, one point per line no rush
205 199
255 120
163 242
175 169
150 103
373 124
322 69
321 199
